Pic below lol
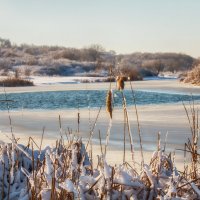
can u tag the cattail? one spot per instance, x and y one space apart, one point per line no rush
109 103
120 82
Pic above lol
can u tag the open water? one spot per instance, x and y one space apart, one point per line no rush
83 98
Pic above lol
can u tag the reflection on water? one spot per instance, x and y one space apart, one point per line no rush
85 98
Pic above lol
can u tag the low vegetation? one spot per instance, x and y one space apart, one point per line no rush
192 76
15 82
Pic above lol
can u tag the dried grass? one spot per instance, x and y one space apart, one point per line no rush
15 82
193 76
120 82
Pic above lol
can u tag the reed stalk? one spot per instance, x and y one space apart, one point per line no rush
109 109
100 143
108 135
138 124
92 130
128 126
8 111
60 127
124 150
3 178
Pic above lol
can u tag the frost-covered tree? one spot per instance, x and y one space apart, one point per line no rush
5 43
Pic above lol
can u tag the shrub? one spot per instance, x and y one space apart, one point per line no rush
132 73
193 76
109 79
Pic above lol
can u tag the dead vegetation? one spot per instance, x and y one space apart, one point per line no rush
193 76
15 82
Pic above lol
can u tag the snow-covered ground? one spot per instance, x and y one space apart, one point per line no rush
58 80
54 80
164 76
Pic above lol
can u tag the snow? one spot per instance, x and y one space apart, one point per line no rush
57 80
65 170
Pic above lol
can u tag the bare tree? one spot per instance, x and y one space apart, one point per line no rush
158 67
95 51
17 73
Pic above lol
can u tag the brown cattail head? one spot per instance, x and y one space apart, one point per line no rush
120 82
109 103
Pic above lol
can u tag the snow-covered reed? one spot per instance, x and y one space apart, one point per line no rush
65 172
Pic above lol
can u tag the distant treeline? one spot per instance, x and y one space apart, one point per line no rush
55 60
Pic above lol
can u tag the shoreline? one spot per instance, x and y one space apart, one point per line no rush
162 85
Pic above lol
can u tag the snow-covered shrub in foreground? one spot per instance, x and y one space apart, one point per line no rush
65 172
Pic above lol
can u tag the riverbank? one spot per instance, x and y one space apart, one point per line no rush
64 85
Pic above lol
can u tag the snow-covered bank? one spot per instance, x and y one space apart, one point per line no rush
67 172
57 80
44 84
52 80
165 76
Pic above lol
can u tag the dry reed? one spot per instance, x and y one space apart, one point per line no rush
109 107
120 82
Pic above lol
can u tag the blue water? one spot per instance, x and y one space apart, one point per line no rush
84 98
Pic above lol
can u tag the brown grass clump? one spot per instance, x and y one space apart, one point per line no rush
120 82
15 82
193 76
134 74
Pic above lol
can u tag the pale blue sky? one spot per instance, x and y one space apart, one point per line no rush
122 25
